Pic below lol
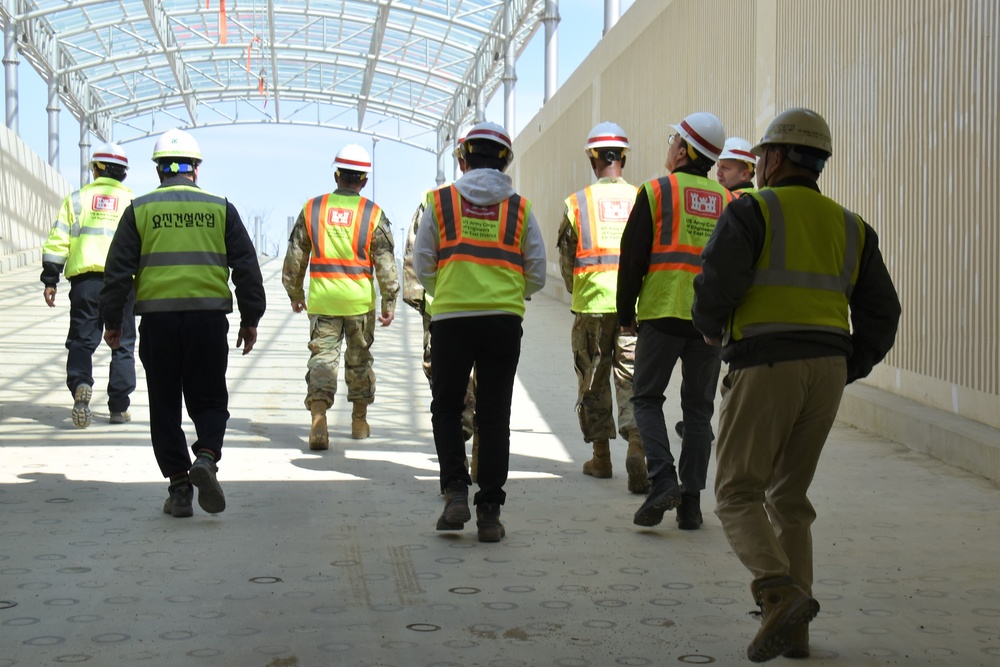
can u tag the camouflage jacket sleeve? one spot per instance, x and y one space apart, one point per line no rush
384 257
567 250
413 291
293 272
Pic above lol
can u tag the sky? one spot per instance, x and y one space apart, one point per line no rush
270 171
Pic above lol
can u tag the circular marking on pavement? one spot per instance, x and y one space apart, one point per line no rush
532 573
128 569
344 563
50 557
45 640
614 604
665 602
876 595
336 647
319 578
73 570
678 586
428 575
934 630
696 659
873 631
572 588
573 531
878 612
500 606
449 560
21 621
329 609
208 615
265 580
84 618
7 604
519 589
658 622
938 651
61 602
623 587
721 601
123 599
72 658
879 652
111 638
987 612
833 582
244 632
461 643
204 653
584 573
634 570
423 627
16 570
555 604
935 612
181 598
600 625
931 594
464 590
633 660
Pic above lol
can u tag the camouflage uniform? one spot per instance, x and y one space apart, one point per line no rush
326 332
598 348
413 295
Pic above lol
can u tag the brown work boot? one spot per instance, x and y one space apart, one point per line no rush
784 609
635 464
600 465
474 468
456 507
319 437
799 648
488 522
359 421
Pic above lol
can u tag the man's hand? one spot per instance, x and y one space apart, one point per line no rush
631 329
50 297
386 318
714 342
113 337
298 306
247 337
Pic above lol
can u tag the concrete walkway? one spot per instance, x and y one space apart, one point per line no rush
332 558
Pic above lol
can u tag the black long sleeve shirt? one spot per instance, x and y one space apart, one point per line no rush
126 247
728 263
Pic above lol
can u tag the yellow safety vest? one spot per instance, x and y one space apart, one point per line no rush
82 233
807 269
183 263
341 273
598 213
480 259
684 208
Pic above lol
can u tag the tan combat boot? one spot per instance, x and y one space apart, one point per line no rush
600 465
635 464
319 438
359 421
785 609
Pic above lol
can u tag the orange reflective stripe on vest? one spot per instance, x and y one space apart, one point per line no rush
668 253
333 263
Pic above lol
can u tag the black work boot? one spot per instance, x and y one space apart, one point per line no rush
202 475
784 608
689 512
488 522
178 503
456 507
664 494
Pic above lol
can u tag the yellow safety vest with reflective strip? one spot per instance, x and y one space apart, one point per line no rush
684 208
87 221
480 259
807 269
183 264
598 213
340 229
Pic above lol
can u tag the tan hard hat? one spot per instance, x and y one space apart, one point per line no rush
797 127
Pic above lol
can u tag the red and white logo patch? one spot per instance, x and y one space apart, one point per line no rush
614 210
104 203
470 210
341 217
703 203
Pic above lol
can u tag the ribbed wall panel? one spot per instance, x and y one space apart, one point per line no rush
911 94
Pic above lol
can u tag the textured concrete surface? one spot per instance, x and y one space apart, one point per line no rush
332 558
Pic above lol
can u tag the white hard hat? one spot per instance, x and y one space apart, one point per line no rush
607 135
493 133
353 158
109 153
704 132
176 143
737 148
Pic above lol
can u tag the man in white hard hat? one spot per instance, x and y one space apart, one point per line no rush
415 297
344 241
78 246
588 241
670 223
180 242
735 169
479 253
795 290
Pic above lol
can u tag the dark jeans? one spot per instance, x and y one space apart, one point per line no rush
86 331
656 353
185 354
493 344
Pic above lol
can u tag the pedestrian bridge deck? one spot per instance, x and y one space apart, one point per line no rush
332 558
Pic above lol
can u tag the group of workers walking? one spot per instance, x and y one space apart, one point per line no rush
782 283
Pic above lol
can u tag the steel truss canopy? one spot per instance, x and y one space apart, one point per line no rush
411 71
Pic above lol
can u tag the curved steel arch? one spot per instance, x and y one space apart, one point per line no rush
128 69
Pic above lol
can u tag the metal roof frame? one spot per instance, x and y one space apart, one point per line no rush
411 71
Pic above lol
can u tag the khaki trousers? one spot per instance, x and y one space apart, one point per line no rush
773 423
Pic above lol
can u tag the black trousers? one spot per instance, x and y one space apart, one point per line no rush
185 355
86 331
491 343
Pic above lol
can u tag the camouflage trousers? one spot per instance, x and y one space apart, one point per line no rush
469 413
326 333
598 348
